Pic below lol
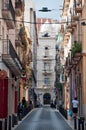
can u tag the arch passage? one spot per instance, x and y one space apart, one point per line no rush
46 98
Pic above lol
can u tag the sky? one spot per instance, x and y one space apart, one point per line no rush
54 5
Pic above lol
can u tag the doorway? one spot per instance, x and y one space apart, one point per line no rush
46 98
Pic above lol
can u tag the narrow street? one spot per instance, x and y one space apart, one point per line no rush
44 118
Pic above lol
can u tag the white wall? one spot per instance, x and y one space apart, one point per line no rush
51 43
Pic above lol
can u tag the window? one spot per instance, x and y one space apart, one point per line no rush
46 66
46 51
46 48
46 80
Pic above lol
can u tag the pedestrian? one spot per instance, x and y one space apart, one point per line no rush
20 110
55 103
24 102
75 104
30 104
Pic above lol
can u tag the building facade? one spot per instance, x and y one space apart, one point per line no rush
46 53
74 53
30 18
15 58
10 65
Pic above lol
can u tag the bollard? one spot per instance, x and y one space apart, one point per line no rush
6 124
85 126
81 123
0 125
75 123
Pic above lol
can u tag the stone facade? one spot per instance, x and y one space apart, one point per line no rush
46 62
75 64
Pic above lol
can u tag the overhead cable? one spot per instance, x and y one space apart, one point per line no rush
62 22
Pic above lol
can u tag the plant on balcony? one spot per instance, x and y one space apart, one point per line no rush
76 48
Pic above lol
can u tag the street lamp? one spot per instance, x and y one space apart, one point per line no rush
45 9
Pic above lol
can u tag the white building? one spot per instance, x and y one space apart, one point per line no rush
46 62
30 18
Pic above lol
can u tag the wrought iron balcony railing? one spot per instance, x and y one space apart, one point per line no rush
10 57
8 12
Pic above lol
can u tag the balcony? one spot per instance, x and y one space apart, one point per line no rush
46 86
78 9
76 59
69 26
76 53
65 42
76 17
18 42
78 6
28 58
68 64
47 58
8 14
19 7
47 71
76 49
67 2
74 24
67 34
69 30
66 37
64 13
68 67
73 62
23 36
10 58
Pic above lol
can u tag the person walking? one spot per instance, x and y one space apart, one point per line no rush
24 102
75 104
20 110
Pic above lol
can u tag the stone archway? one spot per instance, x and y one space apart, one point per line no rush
47 98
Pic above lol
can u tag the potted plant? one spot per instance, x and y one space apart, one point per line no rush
76 49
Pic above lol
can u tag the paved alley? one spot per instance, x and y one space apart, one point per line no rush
44 118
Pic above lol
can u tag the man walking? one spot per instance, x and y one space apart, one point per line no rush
75 103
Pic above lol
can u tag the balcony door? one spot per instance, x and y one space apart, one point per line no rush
46 66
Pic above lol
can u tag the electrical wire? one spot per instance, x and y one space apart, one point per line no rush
43 80
38 22
45 60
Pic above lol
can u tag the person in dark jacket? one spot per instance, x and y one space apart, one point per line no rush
24 102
